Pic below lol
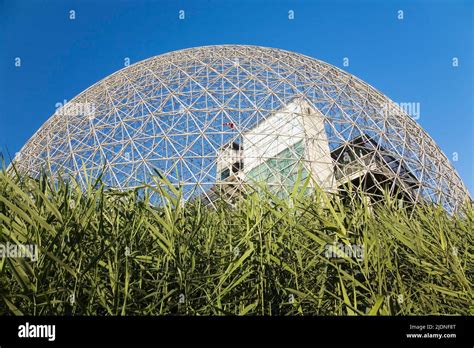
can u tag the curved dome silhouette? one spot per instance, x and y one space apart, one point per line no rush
213 118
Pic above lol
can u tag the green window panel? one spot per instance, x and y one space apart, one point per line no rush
283 169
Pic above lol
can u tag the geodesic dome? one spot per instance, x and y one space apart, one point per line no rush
216 118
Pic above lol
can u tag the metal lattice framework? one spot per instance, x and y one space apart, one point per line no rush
214 117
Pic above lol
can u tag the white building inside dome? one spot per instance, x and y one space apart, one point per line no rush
274 150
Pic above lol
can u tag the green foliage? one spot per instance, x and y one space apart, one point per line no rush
104 252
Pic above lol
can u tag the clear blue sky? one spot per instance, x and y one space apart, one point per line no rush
409 60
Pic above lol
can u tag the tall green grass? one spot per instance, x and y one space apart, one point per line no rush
104 252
